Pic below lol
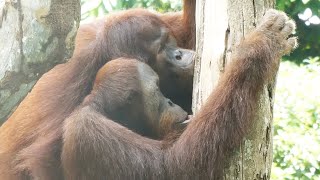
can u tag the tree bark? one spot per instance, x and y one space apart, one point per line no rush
220 27
35 35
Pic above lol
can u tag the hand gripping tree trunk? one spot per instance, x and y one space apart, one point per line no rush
220 27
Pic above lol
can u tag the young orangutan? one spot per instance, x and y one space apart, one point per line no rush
127 91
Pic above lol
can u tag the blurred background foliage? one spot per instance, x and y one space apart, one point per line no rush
296 142
297 106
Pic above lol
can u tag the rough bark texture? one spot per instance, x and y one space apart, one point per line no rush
35 35
220 26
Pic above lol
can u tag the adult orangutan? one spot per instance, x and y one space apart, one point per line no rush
31 139
95 147
177 86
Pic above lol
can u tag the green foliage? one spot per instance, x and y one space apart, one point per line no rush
297 123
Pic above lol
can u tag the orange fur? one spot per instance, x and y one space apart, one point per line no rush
30 140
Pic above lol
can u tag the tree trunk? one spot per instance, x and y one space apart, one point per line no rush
220 26
34 37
